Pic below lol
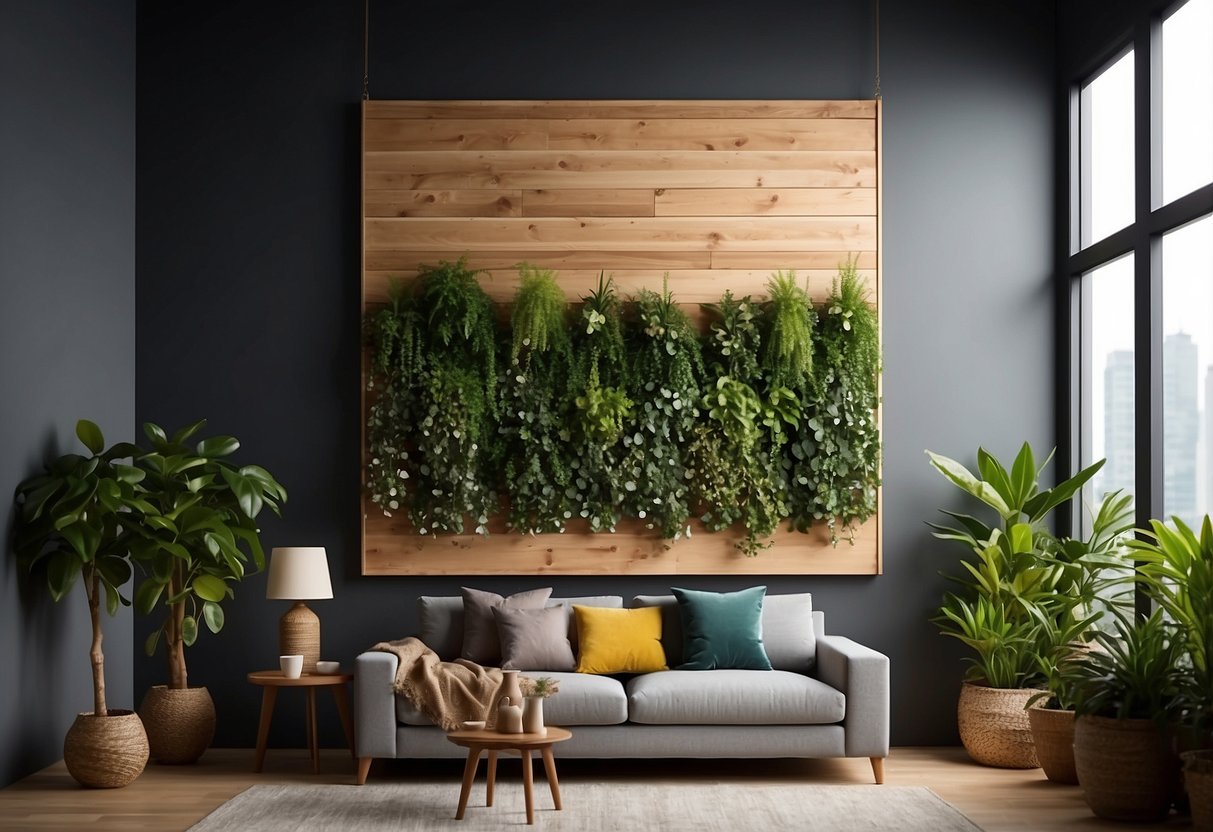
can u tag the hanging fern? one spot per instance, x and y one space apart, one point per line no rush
666 371
536 400
788 346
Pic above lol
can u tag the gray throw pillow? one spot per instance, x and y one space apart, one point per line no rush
480 642
535 639
787 631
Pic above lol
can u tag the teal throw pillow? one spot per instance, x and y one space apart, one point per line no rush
722 629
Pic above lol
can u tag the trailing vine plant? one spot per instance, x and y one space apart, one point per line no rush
535 407
602 409
665 376
735 454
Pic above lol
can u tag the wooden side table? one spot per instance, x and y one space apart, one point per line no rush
493 742
271 680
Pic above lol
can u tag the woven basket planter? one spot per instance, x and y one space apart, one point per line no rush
1053 734
180 723
1127 768
105 752
994 726
1198 776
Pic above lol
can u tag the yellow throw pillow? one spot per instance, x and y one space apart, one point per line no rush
619 641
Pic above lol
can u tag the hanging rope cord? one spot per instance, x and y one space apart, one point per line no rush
366 51
877 93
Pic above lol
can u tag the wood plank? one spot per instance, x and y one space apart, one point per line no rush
594 259
612 169
866 259
711 134
622 108
484 202
593 202
774 202
391 548
458 134
690 286
623 233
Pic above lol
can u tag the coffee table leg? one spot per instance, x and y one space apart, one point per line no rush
549 766
527 785
268 694
492 764
469 774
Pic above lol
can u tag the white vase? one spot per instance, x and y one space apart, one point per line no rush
532 716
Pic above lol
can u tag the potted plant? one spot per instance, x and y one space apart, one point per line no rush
1009 574
1129 699
196 535
1095 576
72 525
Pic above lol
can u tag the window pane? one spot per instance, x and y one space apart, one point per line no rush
1109 362
1187 99
1107 150
1187 356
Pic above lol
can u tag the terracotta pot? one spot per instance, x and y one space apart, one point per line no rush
1198 777
994 726
1053 734
180 723
1127 768
105 752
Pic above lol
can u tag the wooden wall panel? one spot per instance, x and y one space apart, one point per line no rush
715 194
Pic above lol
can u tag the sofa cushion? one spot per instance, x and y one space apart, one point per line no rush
722 630
732 697
480 642
582 700
535 639
788 633
442 620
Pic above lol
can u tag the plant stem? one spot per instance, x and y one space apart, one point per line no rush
92 586
174 632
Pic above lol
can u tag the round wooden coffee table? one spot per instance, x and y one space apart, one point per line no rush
494 742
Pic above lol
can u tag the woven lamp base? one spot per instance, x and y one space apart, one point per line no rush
105 752
299 635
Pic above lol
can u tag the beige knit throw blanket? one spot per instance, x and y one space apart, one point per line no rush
448 693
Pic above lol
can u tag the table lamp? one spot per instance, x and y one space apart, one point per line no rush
299 573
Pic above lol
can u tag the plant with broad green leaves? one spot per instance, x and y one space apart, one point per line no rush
71 524
195 532
536 400
665 386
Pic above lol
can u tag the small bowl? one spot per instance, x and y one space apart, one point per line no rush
473 725
328 668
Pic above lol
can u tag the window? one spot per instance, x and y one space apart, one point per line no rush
1142 257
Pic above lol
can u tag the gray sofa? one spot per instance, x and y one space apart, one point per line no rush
827 697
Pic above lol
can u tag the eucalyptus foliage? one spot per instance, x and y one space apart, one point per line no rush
536 398
834 467
666 367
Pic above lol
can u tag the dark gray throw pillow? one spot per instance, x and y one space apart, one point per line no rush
480 642
535 639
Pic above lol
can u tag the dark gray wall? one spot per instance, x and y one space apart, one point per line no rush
67 328
248 263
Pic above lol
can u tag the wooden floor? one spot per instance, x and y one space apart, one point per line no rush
175 797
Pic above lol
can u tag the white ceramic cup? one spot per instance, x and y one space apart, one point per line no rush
292 666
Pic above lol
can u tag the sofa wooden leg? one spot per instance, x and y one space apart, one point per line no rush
878 769
364 768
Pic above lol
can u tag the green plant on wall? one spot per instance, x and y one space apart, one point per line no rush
535 401
835 465
395 335
601 409
666 368
735 454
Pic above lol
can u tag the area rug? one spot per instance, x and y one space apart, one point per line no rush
402 807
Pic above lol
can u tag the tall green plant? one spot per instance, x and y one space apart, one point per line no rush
665 385
71 525
196 533
536 399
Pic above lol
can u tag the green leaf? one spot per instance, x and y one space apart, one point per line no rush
158 522
1021 538
1023 475
156 434
188 431
129 473
148 594
210 588
149 646
212 614
246 491
90 435
111 598
189 630
218 446
122 450
61 574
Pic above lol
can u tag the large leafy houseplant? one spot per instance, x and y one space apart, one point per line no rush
196 534
73 527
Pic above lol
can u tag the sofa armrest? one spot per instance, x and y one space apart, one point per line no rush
862 674
375 704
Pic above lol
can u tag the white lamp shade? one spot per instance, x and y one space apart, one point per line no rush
299 573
